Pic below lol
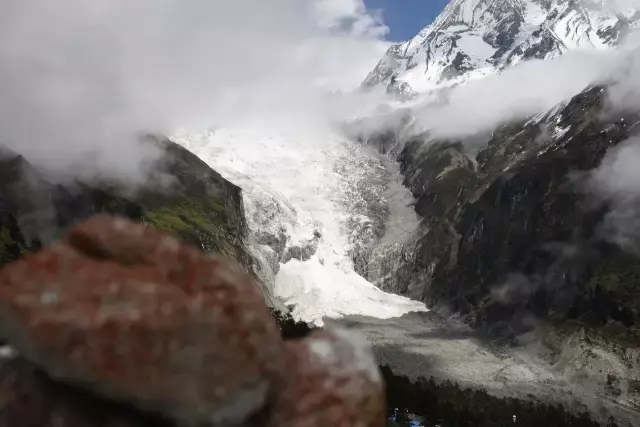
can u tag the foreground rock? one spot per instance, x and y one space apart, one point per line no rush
137 316
333 381
28 398
129 313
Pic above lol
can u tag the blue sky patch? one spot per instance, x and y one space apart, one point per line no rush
406 18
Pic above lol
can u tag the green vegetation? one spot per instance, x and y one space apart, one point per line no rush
616 289
199 222
181 194
6 243
10 249
620 276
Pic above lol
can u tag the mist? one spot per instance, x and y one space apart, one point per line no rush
527 89
81 80
478 106
615 182
535 86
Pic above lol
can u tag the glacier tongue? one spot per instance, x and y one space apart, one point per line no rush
302 201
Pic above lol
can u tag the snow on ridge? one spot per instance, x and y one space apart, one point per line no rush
471 35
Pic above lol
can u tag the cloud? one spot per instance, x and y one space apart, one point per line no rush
620 6
80 79
526 89
531 87
615 181
351 15
624 92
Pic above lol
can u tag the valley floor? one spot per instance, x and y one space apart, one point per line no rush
426 345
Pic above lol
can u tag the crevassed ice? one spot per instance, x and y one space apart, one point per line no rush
297 166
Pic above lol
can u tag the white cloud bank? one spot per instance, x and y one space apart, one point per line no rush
521 91
534 86
351 15
79 79
617 182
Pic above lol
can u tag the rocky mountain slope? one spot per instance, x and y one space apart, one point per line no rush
512 241
197 204
472 38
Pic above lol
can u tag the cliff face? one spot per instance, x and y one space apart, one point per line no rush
196 204
515 240
511 233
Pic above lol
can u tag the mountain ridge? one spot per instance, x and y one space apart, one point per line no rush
474 38
513 238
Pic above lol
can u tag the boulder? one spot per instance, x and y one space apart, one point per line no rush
131 313
121 324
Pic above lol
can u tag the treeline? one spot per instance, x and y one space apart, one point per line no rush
448 405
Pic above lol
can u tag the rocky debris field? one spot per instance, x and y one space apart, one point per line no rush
120 324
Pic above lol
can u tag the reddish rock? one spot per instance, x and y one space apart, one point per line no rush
130 313
30 399
333 380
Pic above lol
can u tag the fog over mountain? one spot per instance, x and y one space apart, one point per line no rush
161 65
468 199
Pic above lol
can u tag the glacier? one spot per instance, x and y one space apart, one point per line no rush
300 184
314 236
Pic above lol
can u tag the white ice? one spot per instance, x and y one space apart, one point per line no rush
473 45
295 164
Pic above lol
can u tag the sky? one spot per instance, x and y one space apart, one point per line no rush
405 18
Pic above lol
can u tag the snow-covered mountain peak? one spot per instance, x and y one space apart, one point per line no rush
472 38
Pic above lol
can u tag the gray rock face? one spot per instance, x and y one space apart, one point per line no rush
518 207
271 219
511 242
434 173
199 205
401 90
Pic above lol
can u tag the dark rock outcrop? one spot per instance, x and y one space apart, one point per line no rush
182 195
511 233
